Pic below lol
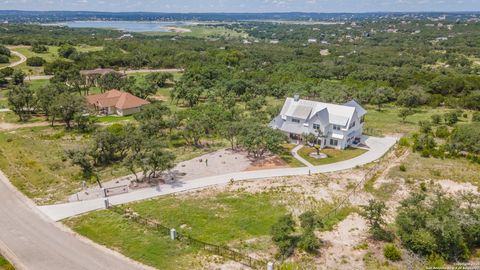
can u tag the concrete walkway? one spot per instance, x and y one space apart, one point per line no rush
30 240
378 147
298 157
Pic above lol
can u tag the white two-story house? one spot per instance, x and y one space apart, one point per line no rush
336 126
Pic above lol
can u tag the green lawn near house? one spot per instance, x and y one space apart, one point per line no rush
287 156
222 219
334 155
112 118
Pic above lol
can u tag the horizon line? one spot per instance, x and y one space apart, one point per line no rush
265 12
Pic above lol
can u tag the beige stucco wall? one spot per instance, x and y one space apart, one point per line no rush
126 112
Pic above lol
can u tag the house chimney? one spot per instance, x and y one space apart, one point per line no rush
296 98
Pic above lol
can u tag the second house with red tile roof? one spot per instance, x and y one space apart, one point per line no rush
116 102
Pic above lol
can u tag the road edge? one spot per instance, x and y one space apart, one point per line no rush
12 258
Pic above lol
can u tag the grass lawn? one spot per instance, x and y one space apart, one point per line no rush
112 118
286 156
419 168
224 218
387 121
45 180
3 103
151 248
5 265
36 84
334 155
10 117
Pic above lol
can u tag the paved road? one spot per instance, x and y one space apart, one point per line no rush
131 71
378 147
30 240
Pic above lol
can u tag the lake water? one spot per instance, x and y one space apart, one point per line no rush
127 26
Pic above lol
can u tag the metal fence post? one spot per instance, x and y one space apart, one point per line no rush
173 234
107 203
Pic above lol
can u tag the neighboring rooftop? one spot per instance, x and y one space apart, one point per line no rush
115 98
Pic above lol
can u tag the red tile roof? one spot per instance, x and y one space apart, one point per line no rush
117 99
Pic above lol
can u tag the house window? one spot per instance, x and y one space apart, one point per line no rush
362 119
316 126
333 142
295 120
335 127
352 124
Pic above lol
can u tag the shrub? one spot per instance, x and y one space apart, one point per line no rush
437 223
442 132
425 126
402 168
308 241
391 252
476 117
436 119
281 234
466 138
425 153
35 61
435 260
308 220
381 234
4 59
7 71
67 51
4 51
404 142
37 48
451 118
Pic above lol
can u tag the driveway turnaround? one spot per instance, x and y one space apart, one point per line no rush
30 240
378 147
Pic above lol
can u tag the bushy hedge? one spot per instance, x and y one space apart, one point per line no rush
439 224
35 61
4 59
391 252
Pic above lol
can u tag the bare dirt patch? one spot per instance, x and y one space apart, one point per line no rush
341 242
271 162
452 187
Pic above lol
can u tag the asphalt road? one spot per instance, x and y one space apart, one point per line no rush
29 240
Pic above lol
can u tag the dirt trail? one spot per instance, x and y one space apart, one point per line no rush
13 126
23 58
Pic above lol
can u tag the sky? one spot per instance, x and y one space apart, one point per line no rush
244 5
